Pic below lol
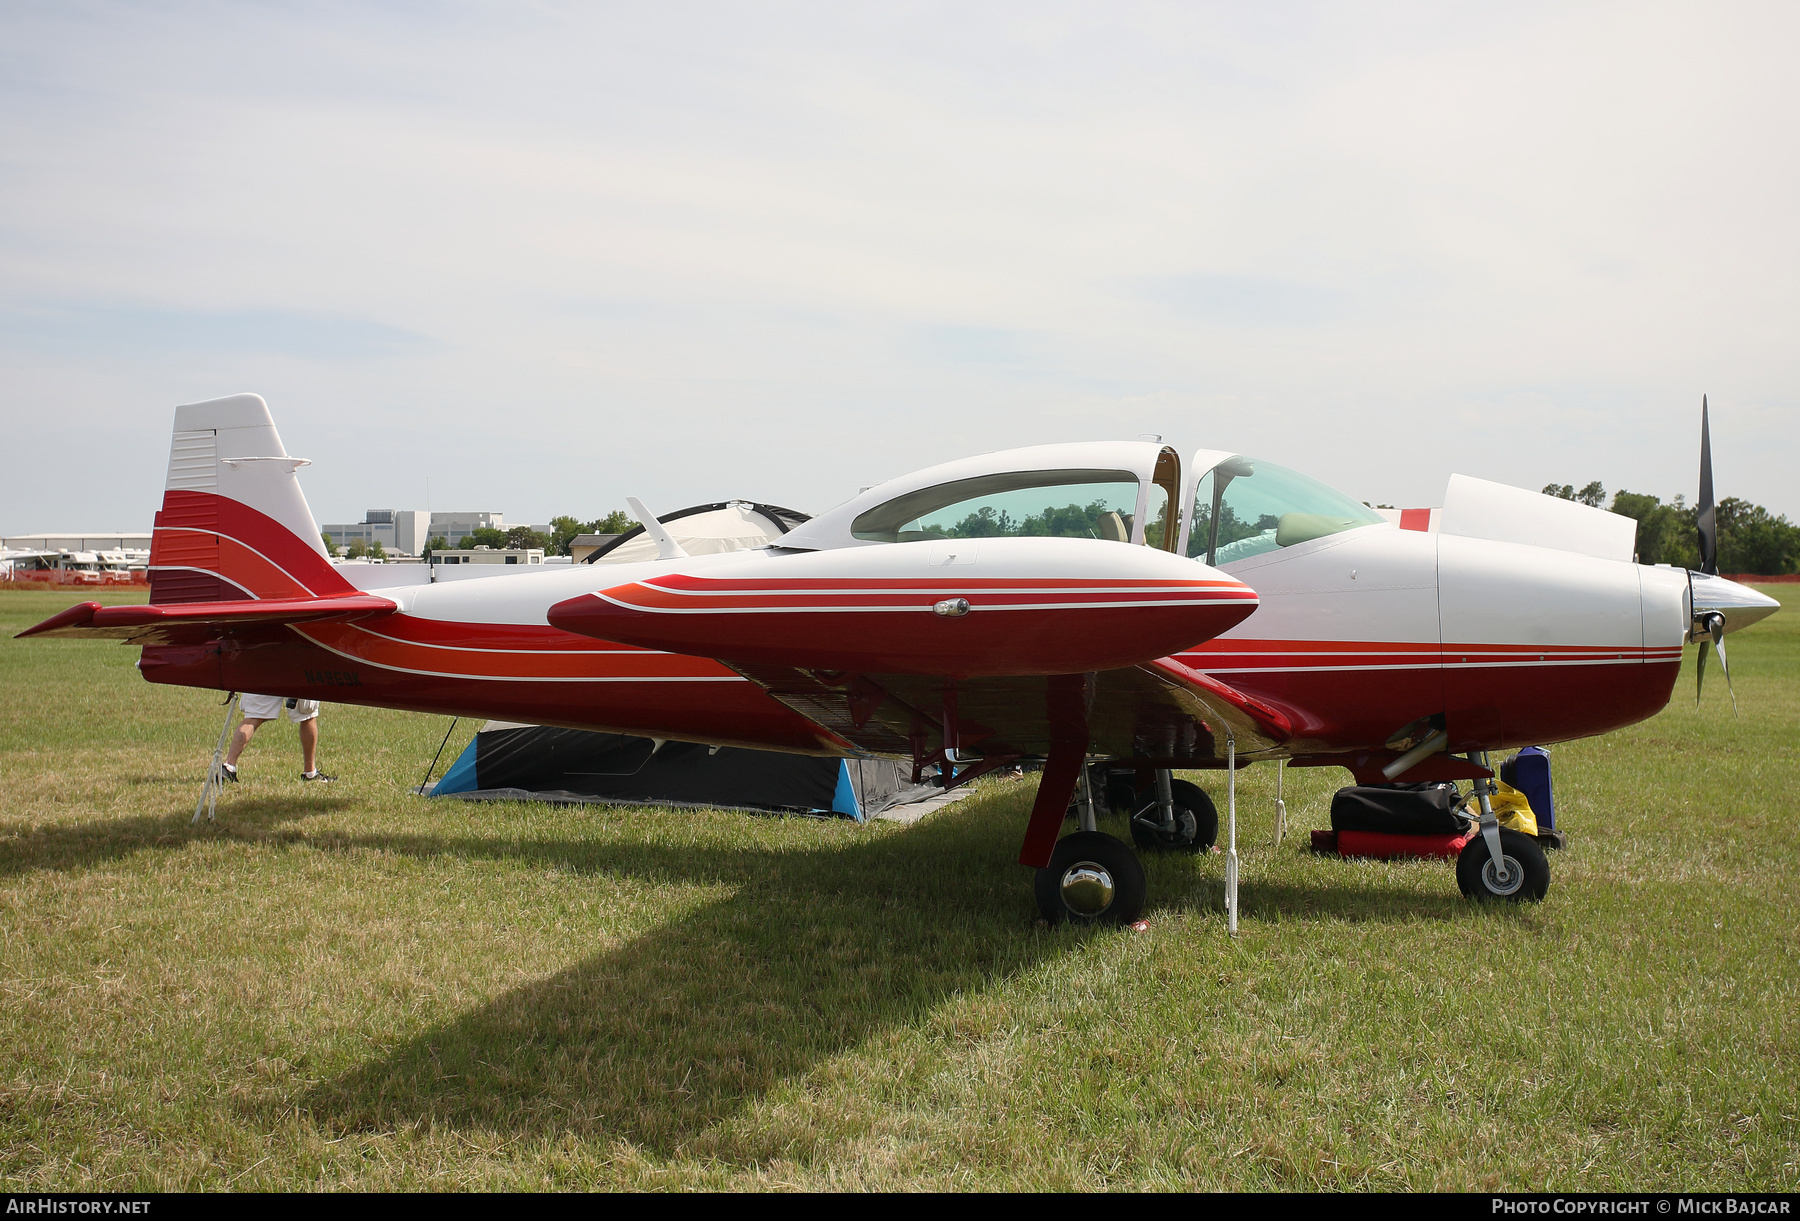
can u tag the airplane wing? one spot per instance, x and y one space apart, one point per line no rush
1160 710
192 622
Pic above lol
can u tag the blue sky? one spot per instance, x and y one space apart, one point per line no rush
550 256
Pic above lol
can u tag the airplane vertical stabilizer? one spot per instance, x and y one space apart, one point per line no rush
234 523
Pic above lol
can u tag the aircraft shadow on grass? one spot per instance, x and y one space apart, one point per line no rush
680 1028
677 1030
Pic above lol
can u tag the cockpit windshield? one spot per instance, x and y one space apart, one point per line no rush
1246 506
1014 504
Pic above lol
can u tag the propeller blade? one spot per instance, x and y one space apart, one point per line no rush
1707 518
1716 627
1700 670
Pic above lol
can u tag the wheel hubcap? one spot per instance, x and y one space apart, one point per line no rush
1515 877
1087 888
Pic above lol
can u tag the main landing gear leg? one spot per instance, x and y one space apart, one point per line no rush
1085 813
1165 800
1088 877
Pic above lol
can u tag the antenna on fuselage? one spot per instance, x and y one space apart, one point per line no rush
666 546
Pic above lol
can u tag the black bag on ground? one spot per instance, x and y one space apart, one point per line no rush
1399 809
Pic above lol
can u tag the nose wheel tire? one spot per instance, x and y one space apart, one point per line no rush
1527 873
1196 822
1092 878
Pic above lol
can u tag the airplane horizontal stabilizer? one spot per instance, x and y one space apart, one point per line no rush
155 624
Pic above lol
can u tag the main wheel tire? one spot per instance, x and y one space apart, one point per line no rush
1527 869
1196 822
1092 879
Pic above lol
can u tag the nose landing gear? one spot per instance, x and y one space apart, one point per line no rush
1500 865
1522 874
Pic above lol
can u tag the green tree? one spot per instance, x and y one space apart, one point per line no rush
616 522
1752 540
356 550
436 543
376 550
562 532
522 537
1666 532
486 536
330 547
1593 494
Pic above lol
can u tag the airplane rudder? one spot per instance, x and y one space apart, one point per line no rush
234 522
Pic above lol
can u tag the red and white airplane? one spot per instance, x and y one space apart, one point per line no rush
1065 602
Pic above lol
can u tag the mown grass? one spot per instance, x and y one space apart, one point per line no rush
360 989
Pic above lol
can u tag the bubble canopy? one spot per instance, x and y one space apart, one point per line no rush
1118 491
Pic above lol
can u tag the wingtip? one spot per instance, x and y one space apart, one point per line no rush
76 616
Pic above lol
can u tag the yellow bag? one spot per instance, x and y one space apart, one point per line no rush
1512 809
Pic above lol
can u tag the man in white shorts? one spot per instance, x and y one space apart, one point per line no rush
259 709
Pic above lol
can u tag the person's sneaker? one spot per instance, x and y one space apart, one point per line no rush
320 776
229 772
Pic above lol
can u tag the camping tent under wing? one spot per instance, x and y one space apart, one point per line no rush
544 763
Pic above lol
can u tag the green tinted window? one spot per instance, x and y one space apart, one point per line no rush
1246 506
1011 504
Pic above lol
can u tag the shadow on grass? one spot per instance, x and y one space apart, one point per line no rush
87 844
662 1038
815 952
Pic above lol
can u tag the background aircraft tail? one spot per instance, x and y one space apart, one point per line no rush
234 523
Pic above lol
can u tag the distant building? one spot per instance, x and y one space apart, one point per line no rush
407 531
455 527
584 545
402 531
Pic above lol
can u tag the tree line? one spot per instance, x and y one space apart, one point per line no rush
557 542
563 531
1751 539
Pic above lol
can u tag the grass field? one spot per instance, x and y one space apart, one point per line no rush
361 989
